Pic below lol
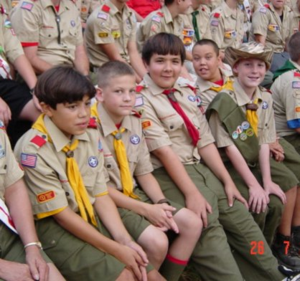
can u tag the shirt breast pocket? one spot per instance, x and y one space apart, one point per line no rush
296 95
109 163
172 123
2 176
47 35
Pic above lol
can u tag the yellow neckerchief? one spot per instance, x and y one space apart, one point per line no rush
252 117
120 149
73 173
228 85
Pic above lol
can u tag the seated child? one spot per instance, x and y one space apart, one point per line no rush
119 123
243 130
21 257
63 165
190 171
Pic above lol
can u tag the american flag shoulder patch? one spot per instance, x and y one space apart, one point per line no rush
28 160
27 6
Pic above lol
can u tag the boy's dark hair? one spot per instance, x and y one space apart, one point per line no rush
294 47
112 69
169 2
163 44
209 42
63 84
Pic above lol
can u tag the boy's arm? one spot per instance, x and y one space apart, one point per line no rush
26 71
194 199
81 60
212 159
17 200
11 271
258 199
135 59
73 223
269 186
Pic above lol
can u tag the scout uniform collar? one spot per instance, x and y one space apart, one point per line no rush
63 5
205 85
166 14
241 98
107 125
156 90
227 11
295 64
112 9
58 138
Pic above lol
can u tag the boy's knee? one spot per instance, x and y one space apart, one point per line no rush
187 221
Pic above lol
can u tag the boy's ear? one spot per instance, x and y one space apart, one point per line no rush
46 109
99 94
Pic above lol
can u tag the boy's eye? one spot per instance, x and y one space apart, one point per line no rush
88 103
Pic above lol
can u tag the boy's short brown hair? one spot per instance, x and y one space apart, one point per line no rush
163 44
209 42
112 69
63 84
294 46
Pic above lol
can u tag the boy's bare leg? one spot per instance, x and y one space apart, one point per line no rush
296 216
126 275
154 275
54 274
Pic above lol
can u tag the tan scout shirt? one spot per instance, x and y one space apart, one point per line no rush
295 19
10 46
286 96
10 171
35 24
108 25
202 17
134 142
87 7
266 122
45 168
204 90
227 26
163 126
267 23
159 21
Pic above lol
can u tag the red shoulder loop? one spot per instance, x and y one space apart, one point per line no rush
296 74
105 8
92 123
139 88
202 9
217 15
2 10
38 140
160 14
267 6
136 113
269 91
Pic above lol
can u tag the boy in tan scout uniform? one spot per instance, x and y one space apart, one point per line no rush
111 35
211 78
285 93
271 26
211 81
50 33
63 162
21 257
227 24
16 99
117 98
178 138
168 19
295 16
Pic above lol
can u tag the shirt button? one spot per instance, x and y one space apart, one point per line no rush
108 166
171 127
67 193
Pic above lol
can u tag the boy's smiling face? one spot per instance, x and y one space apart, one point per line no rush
250 72
164 70
71 118
118 97
206 62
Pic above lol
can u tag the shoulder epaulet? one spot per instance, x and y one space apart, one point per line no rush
296 74
92 123
160 14
139 88
263 89
217 15
105 8
266 5
192 88
137 114
39 141
203 9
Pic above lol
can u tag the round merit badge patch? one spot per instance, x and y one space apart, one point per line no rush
243 136
235 135
192 98
93 161
73 23
265 105
245 125
135 139
250 132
